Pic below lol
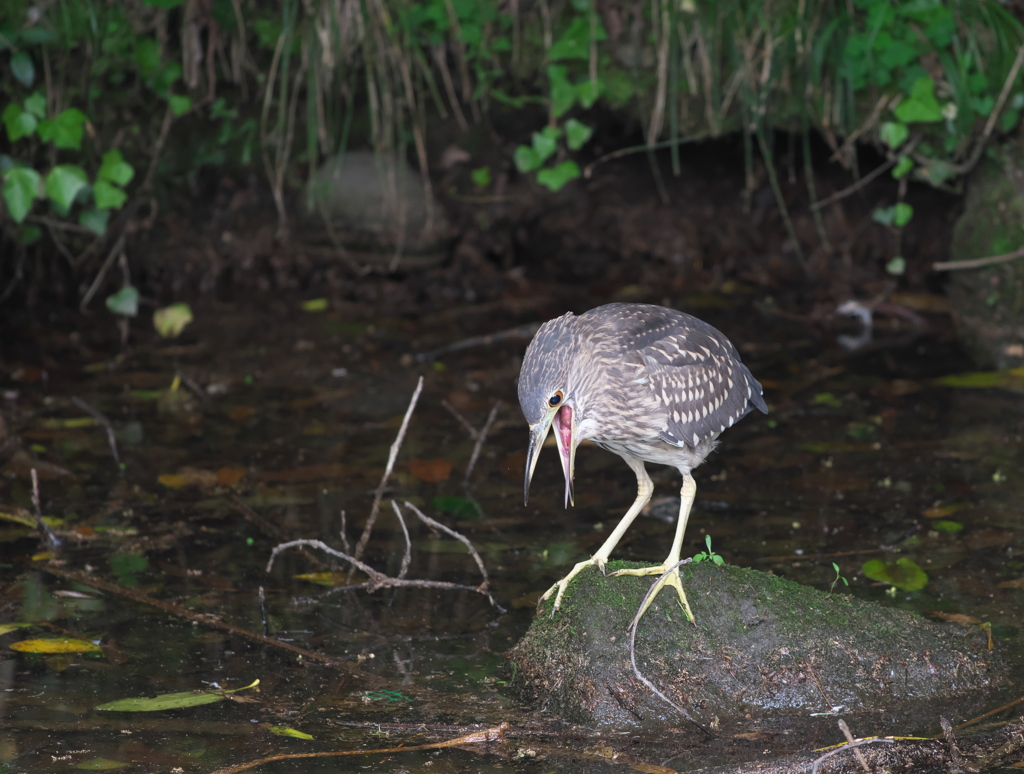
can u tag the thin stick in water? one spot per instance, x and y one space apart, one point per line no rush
377 495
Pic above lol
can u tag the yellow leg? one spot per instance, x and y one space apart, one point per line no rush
686 495
644 490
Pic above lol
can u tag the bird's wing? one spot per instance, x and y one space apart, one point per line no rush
699 377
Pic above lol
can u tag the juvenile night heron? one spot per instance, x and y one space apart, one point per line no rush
648 383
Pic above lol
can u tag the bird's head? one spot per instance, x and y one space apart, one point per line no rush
547 399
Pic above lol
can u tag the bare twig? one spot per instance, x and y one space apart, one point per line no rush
495 734
377 495
849 740
102 420
977 263
48 534
480 438
482 588
407 557
473 433
848 746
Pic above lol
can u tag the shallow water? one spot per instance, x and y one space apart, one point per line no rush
282 422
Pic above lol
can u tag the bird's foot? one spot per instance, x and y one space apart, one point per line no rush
668 578
559 588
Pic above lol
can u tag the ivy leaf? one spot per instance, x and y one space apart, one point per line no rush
525 158
108 196
95 220
35 104
904 165
21 188
23 69
180 104
554 179
63 183
577 134
589 91
115 169
563 93
124 302
545 142
481 177
897 267
19 123
65 131
574 43
921 106
894 133
902 213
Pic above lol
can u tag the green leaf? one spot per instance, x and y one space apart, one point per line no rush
545 143
1011 379
460 507
894 133
921 106
481 177
171 320
94 220
936 172
19 123
108 196
115 169
897 266
147 54
289 732
124 302
7 628
164 701
563 93
902 213
21 189
63 184
23 69
526 159
35 104
577 134
30 234
65 130
947 526
904 165
555 178
100 764
315 305
180 104
588 92
55 645
574 43
903 573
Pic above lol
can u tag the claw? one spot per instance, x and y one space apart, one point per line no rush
669 577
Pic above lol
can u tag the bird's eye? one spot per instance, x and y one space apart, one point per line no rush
555 399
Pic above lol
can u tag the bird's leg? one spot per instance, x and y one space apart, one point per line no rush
686 496
644 490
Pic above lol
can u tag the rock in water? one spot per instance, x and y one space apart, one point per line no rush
764 651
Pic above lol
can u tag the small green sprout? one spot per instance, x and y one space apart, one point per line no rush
709 555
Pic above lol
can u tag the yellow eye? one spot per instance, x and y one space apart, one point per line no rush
555 399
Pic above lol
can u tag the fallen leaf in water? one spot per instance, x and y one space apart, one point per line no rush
240 413
22 462
1012 584
230 476
285 731
55 645
460 507
941 511
431 471
903 573
100 764
170 321
189 477
1011 379
310 473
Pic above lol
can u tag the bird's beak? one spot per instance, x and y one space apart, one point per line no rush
563 420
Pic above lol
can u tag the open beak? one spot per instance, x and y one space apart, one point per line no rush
563 420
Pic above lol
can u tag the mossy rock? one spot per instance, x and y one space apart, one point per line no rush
988 303
762 649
